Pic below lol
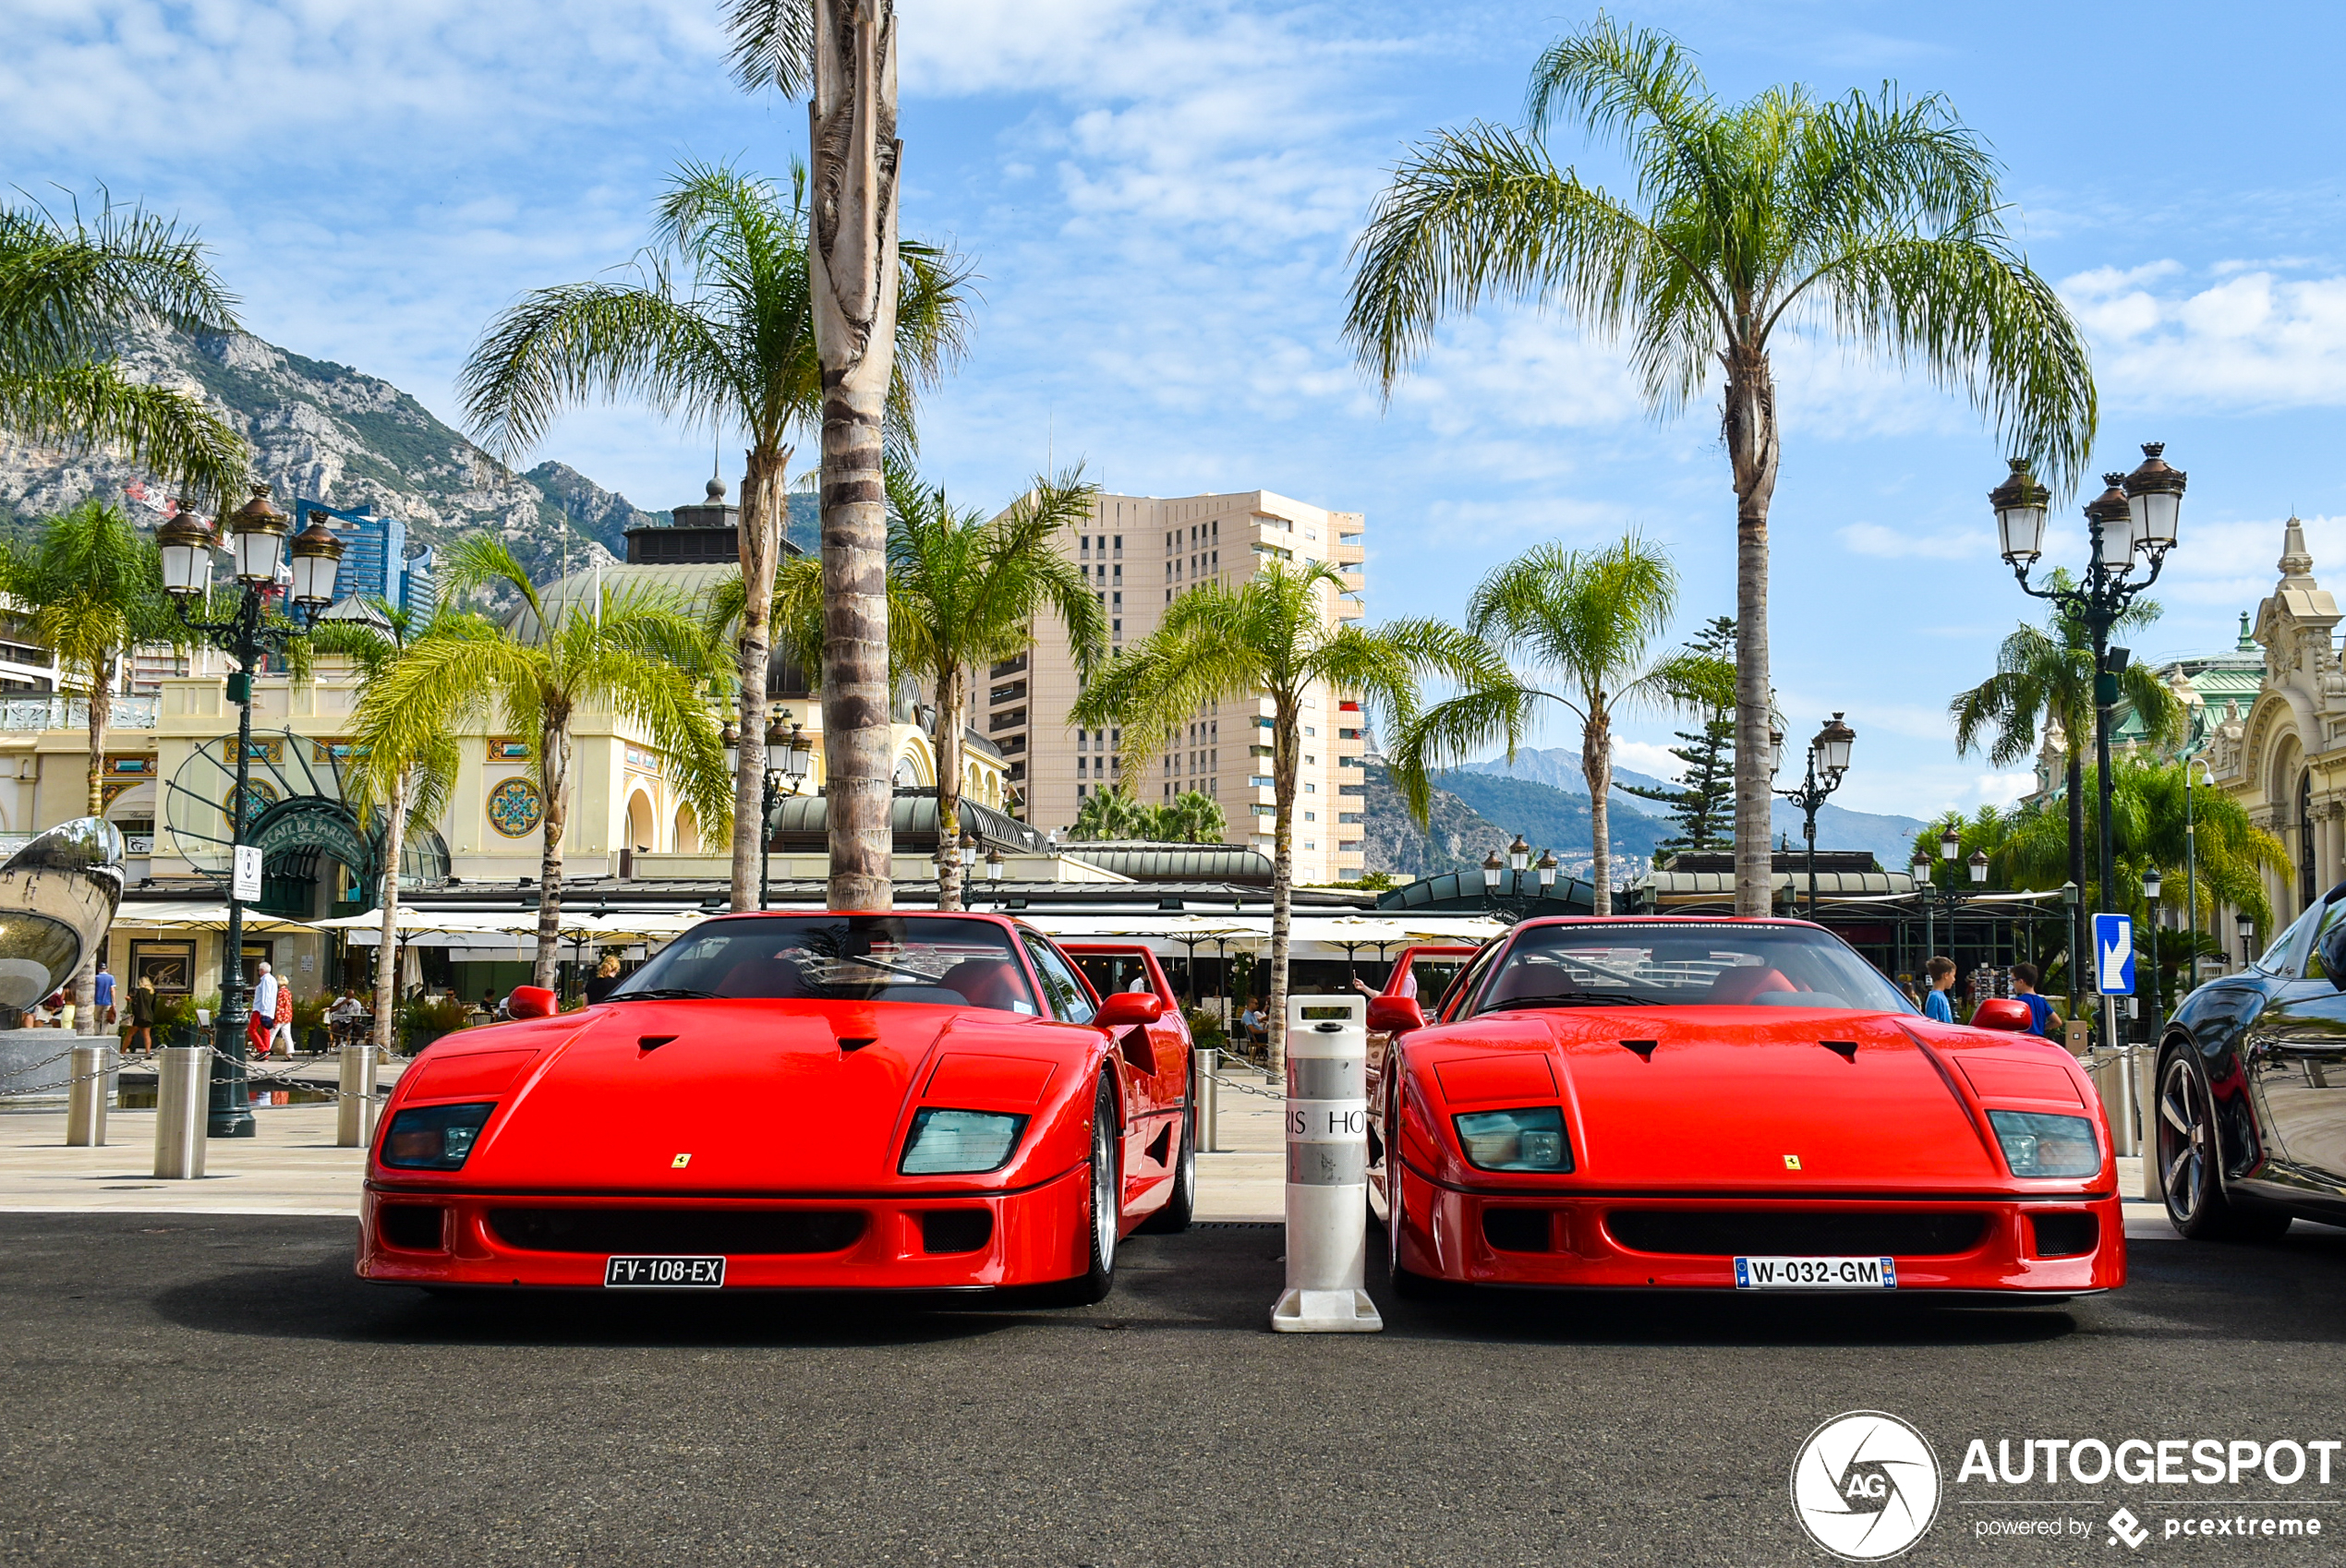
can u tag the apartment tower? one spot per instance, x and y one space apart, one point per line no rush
1141 552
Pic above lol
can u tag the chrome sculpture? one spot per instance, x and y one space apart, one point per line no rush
57 896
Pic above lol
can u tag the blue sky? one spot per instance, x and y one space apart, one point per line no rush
1159 199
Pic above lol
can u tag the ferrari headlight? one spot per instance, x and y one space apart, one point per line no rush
1528 1139
959 1142
2040 1145
434 1137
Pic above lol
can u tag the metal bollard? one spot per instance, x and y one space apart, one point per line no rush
86 1098
354 1112
182 1101
1209 1100
2147 1093
1327 1169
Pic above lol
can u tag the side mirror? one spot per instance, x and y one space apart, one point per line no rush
531 1002
2003 1012
1395 1014
2332 948
1122 1010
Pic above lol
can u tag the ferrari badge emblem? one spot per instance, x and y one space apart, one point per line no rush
681 1160
1791 1161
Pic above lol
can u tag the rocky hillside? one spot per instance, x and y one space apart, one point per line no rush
1458 839
335 434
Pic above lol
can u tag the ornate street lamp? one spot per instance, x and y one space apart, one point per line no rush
1979 865
2151 884
1518 855
1828 760
2245 923
787 762
1950 843
1490 869
2134 520
1547 869
255 532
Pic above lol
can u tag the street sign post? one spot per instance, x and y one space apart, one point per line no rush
2115 977
2114 954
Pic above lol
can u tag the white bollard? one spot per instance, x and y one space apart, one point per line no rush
1327 1169
1208 1100
183 1105
86 1098
354 1112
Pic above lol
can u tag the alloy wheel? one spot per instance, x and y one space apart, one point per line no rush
2186 1142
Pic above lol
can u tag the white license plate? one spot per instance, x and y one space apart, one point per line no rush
1816 1273
663 1273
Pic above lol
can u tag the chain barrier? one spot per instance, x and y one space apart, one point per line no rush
36 1067
285 1076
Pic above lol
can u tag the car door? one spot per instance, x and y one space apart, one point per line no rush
1070 1001
2296 1058
1158 1052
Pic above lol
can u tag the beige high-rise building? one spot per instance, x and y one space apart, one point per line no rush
1141 552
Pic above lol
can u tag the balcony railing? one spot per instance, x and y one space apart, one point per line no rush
73 713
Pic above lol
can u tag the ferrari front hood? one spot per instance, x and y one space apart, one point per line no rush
706 1097
1764 1098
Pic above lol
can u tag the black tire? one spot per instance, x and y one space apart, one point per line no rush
1107 1187
1181 1202
1405 1283
2189 1154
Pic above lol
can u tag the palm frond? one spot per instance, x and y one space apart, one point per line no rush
97 407
772 46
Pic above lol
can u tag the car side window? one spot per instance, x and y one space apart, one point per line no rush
1069 1001
2311 965
2281 958
1469 978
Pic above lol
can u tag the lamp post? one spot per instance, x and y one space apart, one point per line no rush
2246 924
1514 903
256 536
2135 516
1828 760
2191 860
788 760
2151 883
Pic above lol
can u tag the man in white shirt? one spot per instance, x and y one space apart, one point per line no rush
264 1011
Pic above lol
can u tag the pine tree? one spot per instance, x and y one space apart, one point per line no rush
1704 800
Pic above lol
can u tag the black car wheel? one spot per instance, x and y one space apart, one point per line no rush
1174 1218
1405 1283
2191 1162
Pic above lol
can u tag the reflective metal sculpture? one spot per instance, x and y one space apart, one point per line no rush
57 896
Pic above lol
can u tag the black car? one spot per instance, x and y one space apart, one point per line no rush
2251 1116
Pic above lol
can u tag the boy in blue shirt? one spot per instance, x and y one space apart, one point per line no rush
1939 974
2041 1011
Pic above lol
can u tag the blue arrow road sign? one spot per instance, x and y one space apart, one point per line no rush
2114 954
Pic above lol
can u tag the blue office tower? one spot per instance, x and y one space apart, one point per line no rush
374 550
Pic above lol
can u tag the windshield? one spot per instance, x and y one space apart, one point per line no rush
1684 964
841 958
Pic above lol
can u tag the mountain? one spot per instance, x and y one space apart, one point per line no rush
1560 768
1474 814
327 432
1890 838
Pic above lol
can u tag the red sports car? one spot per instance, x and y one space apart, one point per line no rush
1730 1104
911 1101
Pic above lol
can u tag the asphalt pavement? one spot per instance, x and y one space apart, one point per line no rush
218 1389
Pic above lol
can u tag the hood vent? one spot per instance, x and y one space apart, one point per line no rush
1644 1048
1847 1049
854 1043
652 1042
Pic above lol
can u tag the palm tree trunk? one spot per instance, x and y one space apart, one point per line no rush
1286 744
951 697
763 508
402 784
854 262
1596 767
102 675
553 750
1750 427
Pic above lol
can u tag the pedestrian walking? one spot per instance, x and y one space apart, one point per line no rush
261 1022
1938 971
101 994
282 1019
2042 1019
142 1016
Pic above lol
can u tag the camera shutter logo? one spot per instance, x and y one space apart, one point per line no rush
1865 1485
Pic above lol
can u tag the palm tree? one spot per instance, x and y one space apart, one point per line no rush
639 653
68 291
1878 221
975 588
1190 818
1108 814
94 591
1584 618
843 53
1274 635
734 348
407 778
2044 680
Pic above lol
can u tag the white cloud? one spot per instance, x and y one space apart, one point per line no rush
2255 339
2000 790
1887 544
1645 757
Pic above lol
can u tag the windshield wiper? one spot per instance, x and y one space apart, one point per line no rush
661 994
1571 999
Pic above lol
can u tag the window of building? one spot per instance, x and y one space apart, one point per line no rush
1119 572
1115 631
1310 817
1309 730
1117 597
1310 787
1120 548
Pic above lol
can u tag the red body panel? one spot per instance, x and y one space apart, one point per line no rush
739 1106
1723 1109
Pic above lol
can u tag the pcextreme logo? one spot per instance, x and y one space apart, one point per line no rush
1865 1485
